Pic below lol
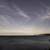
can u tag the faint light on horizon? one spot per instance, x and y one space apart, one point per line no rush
23 31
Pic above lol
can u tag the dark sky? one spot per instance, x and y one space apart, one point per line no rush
25 15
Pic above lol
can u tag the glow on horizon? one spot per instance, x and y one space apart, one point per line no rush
23 31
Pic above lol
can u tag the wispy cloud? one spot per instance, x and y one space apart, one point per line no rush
47 15
44 5
22 13
3 20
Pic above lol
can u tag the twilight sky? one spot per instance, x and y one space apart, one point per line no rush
24 17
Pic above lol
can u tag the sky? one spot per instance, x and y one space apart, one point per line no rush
24 17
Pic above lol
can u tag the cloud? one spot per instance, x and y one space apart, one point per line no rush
44 5
7 21
3 20
21 12
47 15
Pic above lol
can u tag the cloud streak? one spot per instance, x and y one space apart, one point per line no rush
21 12
47 15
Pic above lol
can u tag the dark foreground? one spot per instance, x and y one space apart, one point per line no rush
25 42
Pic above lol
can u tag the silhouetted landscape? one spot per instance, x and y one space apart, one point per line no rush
36 42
